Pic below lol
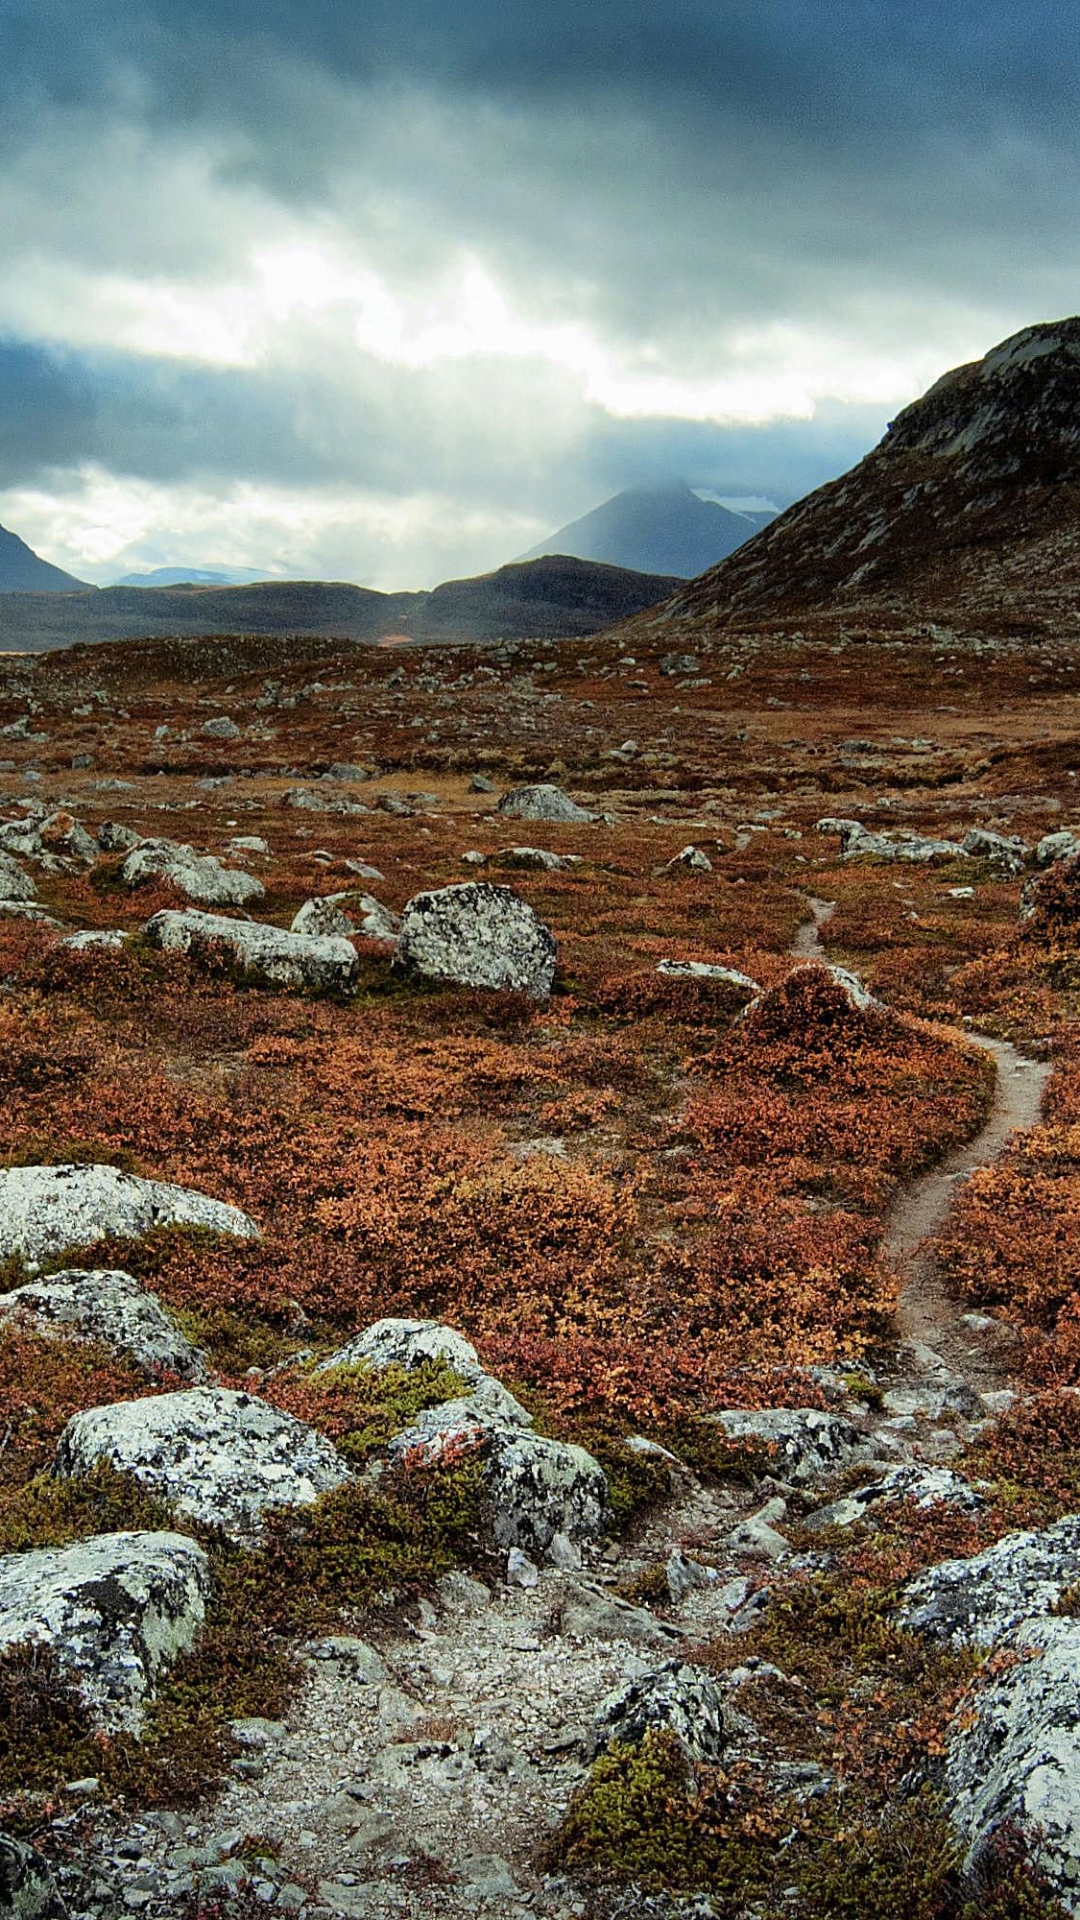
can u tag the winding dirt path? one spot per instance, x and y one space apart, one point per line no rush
930 1321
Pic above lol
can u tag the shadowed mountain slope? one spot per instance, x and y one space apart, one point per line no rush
655 530
967 513
22 572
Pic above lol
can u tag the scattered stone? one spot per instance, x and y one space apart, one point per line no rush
27 1888
113 837
797 1444
692 860
221 728
107 1305
979 1601
541 803
925 1486
115 1610
1009 853
539 858
589 1613
675 665
704 970
685 1575
409 1343
200 876
110 939
265 953
339 915
1015 1760
859 843
758 1535
216 1456
677 1698
249 843
1056 846
43 1210
481 784
477 935
63 835
520 1570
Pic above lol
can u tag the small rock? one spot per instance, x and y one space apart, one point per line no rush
27 1888
541 803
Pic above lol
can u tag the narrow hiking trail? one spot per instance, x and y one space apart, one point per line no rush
936 1329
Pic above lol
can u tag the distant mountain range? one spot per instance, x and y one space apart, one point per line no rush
551 598
966 514
655 530
193 577
22 572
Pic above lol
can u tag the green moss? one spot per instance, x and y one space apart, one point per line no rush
47 1512
383 1401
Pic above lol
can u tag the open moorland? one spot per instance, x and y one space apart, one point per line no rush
792 1254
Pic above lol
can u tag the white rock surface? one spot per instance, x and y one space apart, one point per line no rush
477 935
200 876
111 939
1016 1760
704 970
802 1444
542 803
45 1209
979 1601
925 1486
408 1343
115 1610
292 960
217 1456
107 1305
691 859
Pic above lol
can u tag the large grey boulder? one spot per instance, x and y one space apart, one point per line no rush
541 1491
105 1304
342 914
269 954
980 1600
27 1888
214 1455
1014 1762
14 883
45 1209
797 1444
477 935
676 1698
541 803
115 1611
199 876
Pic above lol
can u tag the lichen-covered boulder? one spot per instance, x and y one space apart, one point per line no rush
216 1456
412 1343
1014 1762
798 1444
980 1600
477 935
341 914
1056 846
1007 851
27 1888
114 1610
105 1304
110 939
540 1490
676 1698
541 803
199 876
14 883
280 959
925 1487
45 1209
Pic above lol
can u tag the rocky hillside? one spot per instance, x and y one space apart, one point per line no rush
967 514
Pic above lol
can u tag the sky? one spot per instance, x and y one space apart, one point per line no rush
387 290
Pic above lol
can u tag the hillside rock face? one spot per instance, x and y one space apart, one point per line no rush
966 513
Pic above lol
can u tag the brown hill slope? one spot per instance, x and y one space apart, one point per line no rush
967 513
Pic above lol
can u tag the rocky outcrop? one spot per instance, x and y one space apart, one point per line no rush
676 1698
546 1497
114 1611
477 935
113 1307
797 1444
979 1601
541 803
43 1210
216 1456
262 953
342 914
1014 1761
925 1487
27 1888
14 883
199 876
